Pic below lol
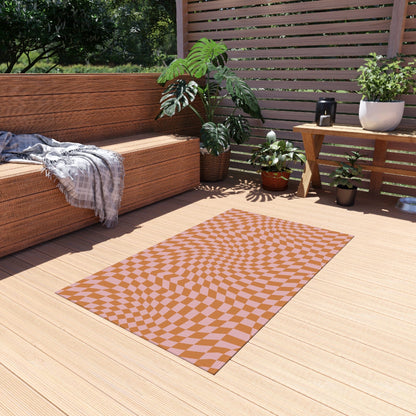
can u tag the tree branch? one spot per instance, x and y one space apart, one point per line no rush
13 61
52 67
45 54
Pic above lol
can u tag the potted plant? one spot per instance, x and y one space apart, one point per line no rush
381 82
345 178
206 63
273 157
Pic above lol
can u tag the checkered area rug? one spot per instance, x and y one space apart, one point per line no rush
205 292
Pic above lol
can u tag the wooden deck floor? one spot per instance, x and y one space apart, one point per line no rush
344 345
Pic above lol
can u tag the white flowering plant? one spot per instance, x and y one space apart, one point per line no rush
274 155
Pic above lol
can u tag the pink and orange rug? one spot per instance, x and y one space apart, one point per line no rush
205 292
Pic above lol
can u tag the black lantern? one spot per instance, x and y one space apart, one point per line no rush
326 109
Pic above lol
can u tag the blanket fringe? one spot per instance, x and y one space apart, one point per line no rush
100 213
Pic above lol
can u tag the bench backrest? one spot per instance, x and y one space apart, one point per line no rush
86 107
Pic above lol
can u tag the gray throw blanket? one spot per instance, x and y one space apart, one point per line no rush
88 176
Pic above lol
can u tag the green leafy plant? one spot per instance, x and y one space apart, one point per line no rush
206 62
274 155
347 175
383 79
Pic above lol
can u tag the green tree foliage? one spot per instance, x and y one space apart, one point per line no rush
145 33
101 32
39 30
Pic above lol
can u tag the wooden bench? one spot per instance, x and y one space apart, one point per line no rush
112 111
313 138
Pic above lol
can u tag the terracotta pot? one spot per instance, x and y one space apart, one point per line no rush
274 181
346 196
214 168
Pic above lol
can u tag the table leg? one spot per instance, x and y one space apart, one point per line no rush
312 144
379 159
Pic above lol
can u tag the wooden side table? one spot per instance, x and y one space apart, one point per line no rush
313 137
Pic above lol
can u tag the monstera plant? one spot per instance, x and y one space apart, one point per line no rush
204 73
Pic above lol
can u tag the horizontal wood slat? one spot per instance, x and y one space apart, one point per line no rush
400 182
398 190
297 30
296 73
409 49
301 18
56 84
296 63
286 7
325 51
334 40
381 169
183 124
79 119
48 104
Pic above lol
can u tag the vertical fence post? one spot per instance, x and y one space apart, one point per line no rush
182 27
397 26
398 21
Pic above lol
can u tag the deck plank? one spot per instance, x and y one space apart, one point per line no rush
335 394
353 350
29 402
344 345
380 387
53 380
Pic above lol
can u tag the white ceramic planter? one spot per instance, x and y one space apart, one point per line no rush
380 116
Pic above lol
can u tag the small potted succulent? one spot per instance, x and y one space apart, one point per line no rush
273 157
382 81
345 178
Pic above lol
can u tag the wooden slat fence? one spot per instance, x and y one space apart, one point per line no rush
294 52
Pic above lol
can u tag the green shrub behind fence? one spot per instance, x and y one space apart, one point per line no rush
43 67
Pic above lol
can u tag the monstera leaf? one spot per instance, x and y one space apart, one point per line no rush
212 89
203 53
215 137
238 127
245 99
176 97
176 69
241 94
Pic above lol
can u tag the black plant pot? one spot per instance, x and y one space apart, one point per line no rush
346 196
